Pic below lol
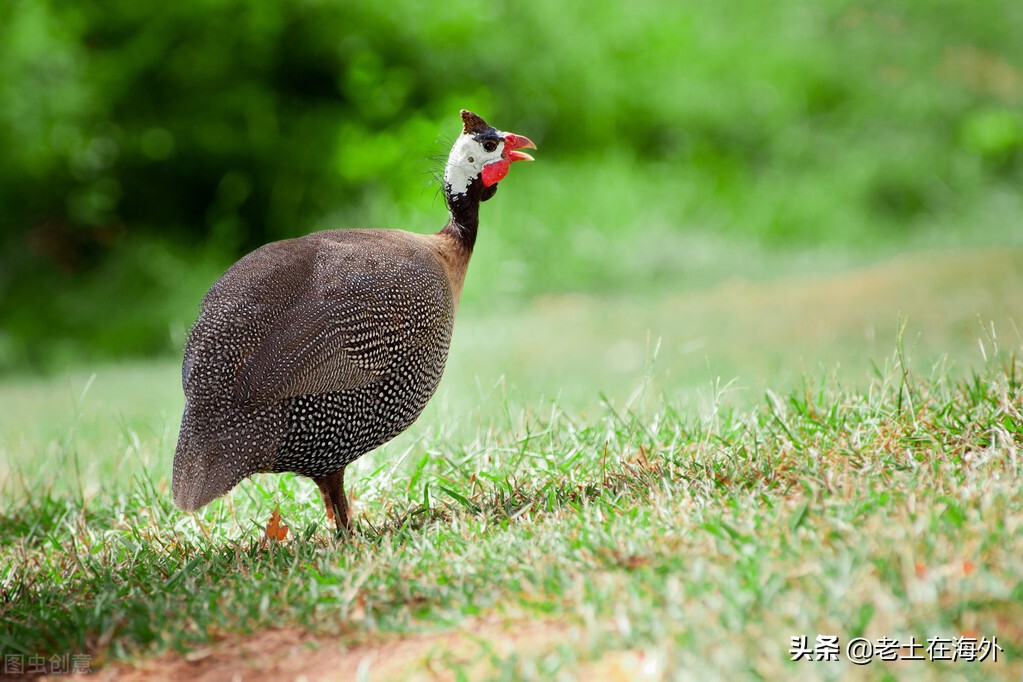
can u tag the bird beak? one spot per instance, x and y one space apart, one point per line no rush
512 143
495 171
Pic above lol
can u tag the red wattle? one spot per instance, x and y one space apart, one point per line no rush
495 172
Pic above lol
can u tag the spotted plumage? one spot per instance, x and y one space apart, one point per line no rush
310 352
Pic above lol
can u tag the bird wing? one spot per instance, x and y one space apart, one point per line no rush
331 312
314 347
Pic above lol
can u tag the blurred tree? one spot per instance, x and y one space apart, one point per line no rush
146 146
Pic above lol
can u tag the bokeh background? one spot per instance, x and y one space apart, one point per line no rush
732 190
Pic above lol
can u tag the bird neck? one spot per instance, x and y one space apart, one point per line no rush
465 213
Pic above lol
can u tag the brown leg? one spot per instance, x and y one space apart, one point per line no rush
332 488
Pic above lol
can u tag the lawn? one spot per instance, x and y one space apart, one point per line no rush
665 487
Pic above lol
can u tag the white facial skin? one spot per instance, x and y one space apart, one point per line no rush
466 162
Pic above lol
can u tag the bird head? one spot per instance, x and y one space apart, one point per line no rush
482 153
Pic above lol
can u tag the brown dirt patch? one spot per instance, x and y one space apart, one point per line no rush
292 654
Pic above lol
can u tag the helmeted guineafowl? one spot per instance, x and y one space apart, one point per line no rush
310 352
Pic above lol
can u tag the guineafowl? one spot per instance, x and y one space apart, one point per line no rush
310 352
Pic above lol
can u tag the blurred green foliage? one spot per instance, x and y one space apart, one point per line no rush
147 146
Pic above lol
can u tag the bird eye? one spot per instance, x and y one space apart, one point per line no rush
489 145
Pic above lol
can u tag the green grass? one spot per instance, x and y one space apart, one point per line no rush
717 500
702 541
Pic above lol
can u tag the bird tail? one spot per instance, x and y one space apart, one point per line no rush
201 469
188 481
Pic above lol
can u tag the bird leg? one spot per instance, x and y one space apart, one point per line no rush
332 488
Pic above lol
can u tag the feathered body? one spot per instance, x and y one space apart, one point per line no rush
322 348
